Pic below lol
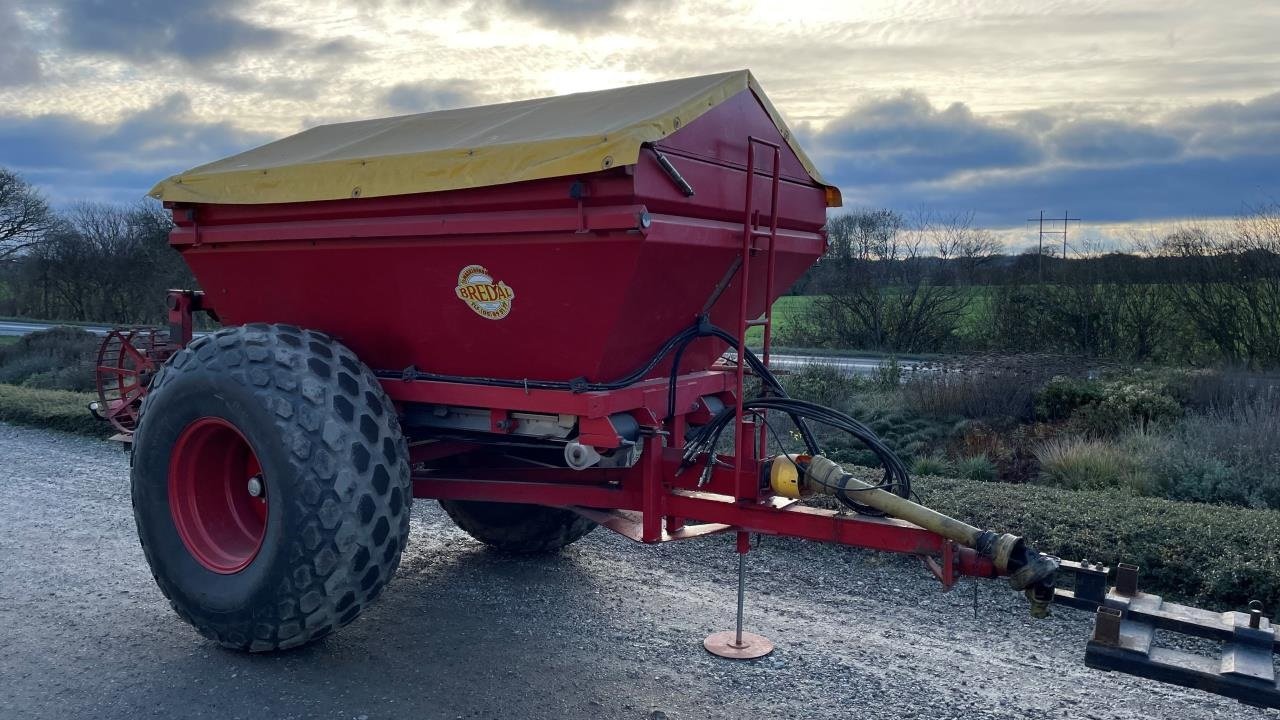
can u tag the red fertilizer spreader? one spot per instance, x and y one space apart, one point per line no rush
522 311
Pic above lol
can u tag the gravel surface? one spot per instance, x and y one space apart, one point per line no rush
608 629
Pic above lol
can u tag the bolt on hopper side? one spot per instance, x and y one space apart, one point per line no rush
519 310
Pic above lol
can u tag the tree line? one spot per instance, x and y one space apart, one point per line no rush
1198 294
92 262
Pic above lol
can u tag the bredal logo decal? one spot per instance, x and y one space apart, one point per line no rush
478 290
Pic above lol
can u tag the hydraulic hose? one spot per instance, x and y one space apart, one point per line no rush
896 478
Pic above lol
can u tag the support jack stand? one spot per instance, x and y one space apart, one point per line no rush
736 644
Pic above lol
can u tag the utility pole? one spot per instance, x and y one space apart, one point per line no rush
1066 222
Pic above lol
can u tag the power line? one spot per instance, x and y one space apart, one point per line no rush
1066 223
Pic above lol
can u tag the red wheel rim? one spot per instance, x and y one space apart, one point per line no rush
211 495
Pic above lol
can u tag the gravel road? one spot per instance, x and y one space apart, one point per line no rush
608 629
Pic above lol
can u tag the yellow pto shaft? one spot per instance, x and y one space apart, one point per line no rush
1028 570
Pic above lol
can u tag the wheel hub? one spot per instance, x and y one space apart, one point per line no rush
217 495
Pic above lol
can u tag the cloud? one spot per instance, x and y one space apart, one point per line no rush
903 152
905 138
1231 128
1185 187
426 96
574 16
19 63
1110 141
192 30
76 159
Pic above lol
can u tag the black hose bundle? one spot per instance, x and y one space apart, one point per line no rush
774 397
896 478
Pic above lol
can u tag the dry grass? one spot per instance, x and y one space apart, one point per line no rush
970 395
1076 463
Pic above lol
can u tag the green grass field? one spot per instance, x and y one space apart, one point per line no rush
784 309
8 339
789 307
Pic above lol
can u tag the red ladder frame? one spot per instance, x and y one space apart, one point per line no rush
746 444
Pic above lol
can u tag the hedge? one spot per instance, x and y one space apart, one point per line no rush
1217 556
53 409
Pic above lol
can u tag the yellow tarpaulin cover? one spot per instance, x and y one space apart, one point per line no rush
465 148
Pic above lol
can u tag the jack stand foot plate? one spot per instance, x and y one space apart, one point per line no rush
723 644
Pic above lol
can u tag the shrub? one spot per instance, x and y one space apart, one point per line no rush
1102 420
1105 408
73 378
822 384
1077 463
1146 401
1209 390
1012 451
1062 396
60 358
16 369
907 438
931 465
973 395
977 467
889 374
1230 455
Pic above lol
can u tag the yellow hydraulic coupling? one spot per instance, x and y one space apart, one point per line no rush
785 478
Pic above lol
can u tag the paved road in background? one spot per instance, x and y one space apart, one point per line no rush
848 365
607 629
12 328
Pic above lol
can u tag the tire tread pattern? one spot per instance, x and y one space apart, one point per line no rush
350 486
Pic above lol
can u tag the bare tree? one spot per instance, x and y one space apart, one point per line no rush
25 218
1257 241
954 237
102 262
1231 285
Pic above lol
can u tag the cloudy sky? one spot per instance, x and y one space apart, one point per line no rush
1120 111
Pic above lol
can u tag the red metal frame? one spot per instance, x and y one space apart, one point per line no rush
642 501
746 441
646 400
